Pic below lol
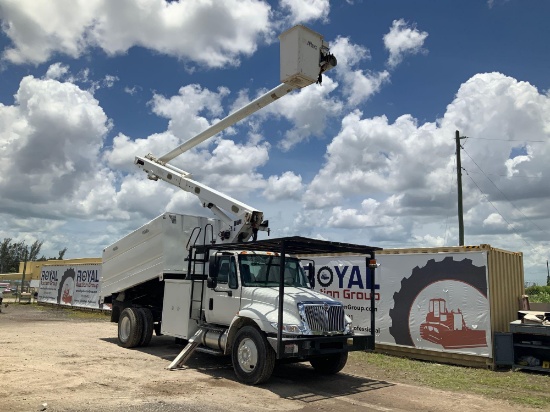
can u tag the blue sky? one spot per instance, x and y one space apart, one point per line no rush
368 157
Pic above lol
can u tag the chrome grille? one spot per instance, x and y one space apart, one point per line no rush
325 317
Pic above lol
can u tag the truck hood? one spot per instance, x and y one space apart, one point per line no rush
264 302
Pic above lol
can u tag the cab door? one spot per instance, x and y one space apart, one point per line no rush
224 300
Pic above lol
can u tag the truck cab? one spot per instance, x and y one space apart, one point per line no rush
257 305
246 284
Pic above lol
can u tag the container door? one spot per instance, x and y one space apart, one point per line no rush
224 301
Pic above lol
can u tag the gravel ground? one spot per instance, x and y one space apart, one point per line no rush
56 360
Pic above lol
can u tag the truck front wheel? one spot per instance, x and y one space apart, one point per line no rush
130 328
252 356
329 364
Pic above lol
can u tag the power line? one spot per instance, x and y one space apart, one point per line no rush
514 206
510 140
514 176
494 207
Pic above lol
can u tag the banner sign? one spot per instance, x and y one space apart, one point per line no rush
436 301
73 285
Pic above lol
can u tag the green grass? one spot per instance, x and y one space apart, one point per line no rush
77 313
523 388
66 311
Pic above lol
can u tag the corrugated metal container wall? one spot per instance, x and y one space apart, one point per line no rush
506 286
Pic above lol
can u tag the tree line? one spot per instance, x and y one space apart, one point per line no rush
12 253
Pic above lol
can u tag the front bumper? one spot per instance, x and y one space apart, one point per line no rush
305 347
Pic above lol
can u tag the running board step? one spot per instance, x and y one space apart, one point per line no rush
188 350
209 351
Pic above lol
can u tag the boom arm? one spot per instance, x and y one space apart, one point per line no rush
304 57
242 226
230 120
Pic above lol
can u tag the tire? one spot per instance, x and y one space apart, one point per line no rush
330 364
252 355
130 328
447 269
147 331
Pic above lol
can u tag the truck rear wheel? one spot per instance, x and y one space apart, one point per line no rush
148 323
252 356
330 364
130 327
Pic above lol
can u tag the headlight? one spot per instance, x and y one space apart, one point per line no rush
348 329
290 329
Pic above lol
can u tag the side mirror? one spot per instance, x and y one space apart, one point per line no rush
311 274
213 267
211 283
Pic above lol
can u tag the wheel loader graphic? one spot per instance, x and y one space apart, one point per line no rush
448 328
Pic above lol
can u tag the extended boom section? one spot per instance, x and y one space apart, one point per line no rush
249 109
304 57
244 221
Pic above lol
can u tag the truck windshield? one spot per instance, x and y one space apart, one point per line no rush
265 270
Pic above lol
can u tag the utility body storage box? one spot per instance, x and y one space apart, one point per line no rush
153 250
177 321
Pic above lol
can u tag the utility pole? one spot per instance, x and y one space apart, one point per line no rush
548 274
459 185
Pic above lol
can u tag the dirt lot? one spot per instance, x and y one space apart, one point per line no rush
55 362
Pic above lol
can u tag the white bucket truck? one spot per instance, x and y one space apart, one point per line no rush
250 300
201 281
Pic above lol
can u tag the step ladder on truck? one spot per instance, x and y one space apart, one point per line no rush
202 281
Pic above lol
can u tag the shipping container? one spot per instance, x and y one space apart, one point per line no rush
441 304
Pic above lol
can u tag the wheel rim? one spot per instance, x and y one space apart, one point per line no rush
124 328
247 355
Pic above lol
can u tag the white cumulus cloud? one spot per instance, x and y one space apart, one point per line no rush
398 178
50 145
284 187
358 84
302 11
403 39
189 30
